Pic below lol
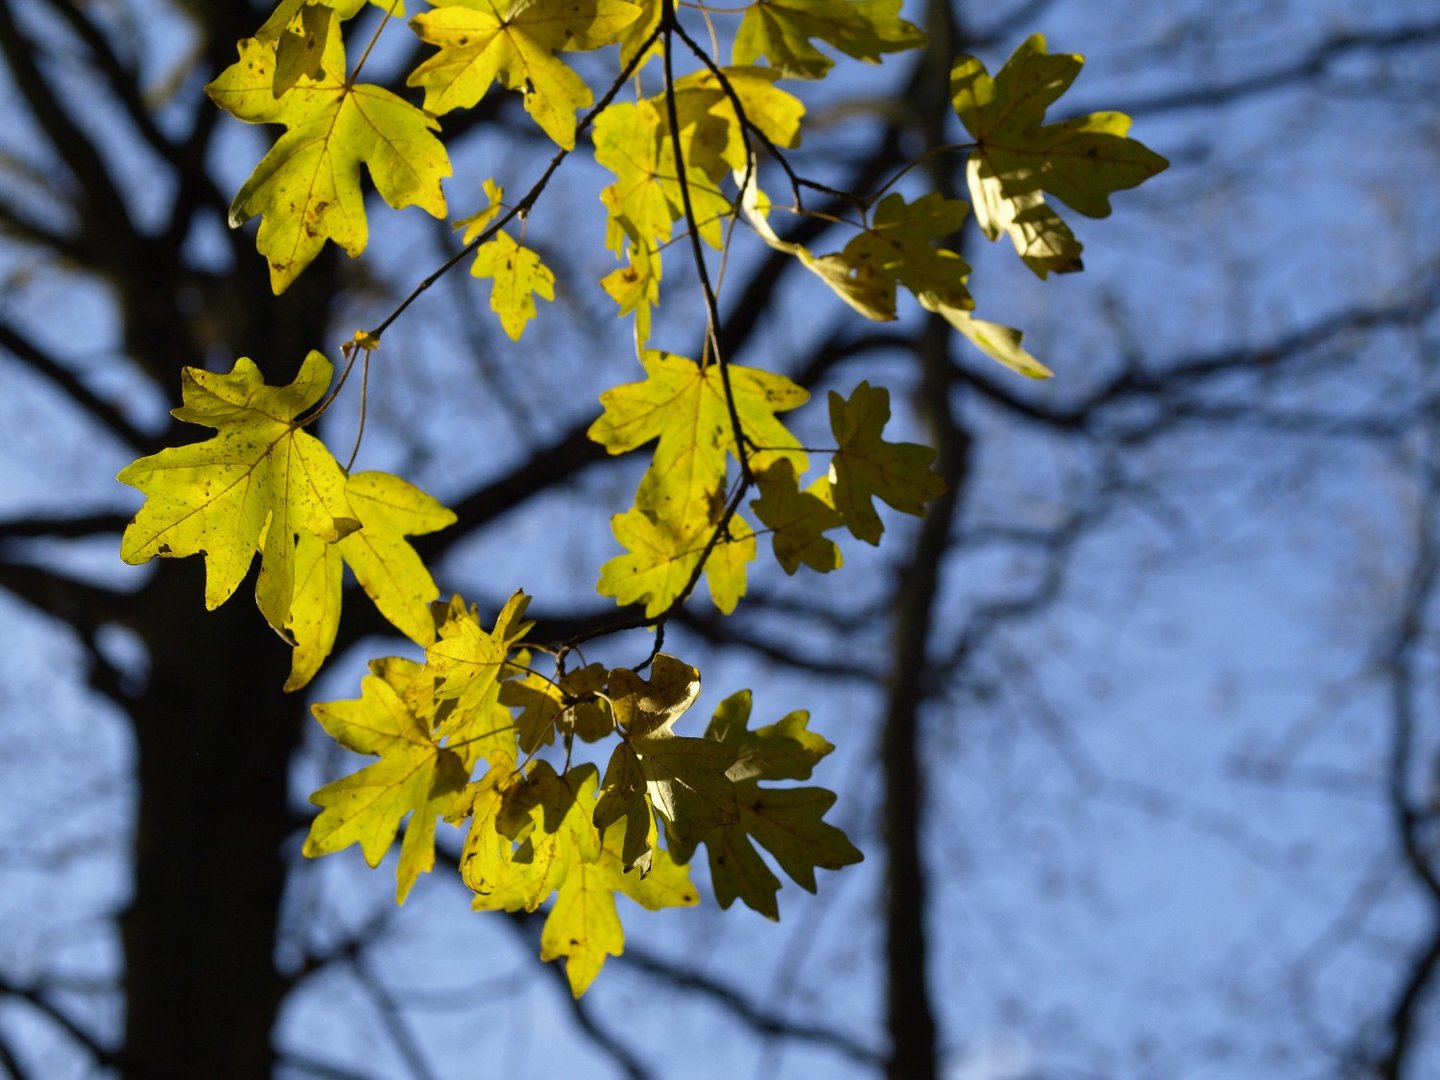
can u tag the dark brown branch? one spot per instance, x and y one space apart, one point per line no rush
1306 68
84 607
35 997
742 1008
1409 821
66 528
105 210
1134 382
66 381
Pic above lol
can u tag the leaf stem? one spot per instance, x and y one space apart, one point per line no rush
669 26
934 151
355 74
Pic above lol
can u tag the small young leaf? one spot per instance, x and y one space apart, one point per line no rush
518 276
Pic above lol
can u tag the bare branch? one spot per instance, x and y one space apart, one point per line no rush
65 380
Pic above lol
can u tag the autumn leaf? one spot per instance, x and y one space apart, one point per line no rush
661 558
414 774
481 41
468 664
897 247
867 466
518 276
385 565
1018 157
583 926
569 704
632 140
798 519
781 31
682 778
786 822
307 188
683 406
710 126
261 475
784 750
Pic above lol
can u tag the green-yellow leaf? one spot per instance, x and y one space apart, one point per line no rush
633 141
307 188
781 31
468 664
683 778
661 559
714 137
261 475
784 750
684 407
386 566
481 41
1019 157
866 465
798 519
785 821
518 276
570 706
413 774
584 928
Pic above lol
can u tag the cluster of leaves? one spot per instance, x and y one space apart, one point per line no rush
468 735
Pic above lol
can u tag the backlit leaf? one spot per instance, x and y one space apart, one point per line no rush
781 31
307 188
386 566
660 560
798 519
413 774
683 406
867 466
1019 157
261 474
481 41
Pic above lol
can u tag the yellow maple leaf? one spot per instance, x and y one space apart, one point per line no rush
517 277
386 566
1018 158
583 926
414 774
632 140
683 406
661 558
261 475
481 41
307 188
867 466
468 664
798 519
